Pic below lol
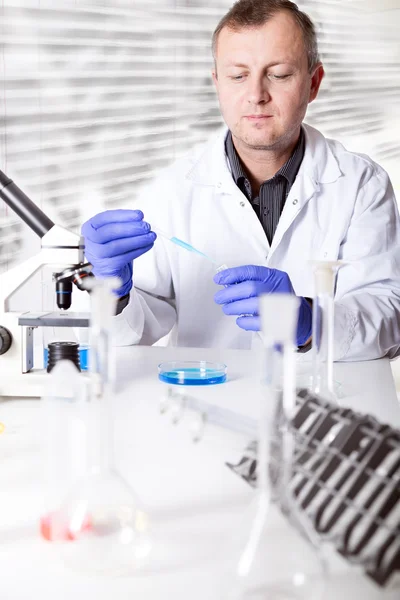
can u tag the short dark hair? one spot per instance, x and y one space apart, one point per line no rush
255 13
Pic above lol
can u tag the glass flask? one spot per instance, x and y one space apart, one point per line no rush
276 553
63 444
323 329
106 530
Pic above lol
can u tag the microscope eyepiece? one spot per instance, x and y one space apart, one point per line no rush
4 180
23 206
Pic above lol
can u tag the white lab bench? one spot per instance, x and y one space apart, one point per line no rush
184 484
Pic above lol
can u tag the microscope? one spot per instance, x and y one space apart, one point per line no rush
63 251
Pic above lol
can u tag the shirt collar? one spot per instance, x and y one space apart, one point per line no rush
289 169
208 164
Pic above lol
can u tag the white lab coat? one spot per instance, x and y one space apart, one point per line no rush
341 206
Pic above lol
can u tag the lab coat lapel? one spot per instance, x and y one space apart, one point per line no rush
211 168
303 189
319 166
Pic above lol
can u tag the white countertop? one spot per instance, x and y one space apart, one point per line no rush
185 485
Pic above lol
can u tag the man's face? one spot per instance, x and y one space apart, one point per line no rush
263 83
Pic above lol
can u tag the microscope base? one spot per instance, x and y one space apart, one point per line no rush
18 378
24 385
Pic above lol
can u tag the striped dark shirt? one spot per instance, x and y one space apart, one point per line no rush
271 199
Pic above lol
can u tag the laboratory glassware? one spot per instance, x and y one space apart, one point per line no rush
277 556
181 374
323 328
62 444
178 242
192 372
108 531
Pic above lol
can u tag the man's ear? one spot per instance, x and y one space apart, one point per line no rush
316 80
215 77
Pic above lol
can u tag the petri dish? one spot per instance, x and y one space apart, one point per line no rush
192 372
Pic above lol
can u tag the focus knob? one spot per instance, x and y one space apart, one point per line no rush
5 340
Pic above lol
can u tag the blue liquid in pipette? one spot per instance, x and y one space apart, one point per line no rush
187 246
192 376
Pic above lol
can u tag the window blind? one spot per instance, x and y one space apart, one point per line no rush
97 96
359 98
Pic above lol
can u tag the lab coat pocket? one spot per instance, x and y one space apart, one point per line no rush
323 248
329 248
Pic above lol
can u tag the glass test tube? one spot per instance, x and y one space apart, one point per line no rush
323 328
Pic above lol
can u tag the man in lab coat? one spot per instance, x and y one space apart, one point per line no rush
264 197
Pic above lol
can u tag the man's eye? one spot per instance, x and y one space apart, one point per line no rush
279 76
237 77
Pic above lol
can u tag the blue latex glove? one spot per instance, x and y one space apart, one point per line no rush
240 297
113 239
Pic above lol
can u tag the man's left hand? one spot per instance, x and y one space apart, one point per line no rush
240 296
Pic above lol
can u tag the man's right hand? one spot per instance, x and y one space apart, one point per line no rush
113 239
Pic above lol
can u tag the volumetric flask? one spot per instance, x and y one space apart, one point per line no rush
108 531
63 444
276 555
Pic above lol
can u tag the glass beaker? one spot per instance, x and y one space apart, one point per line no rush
322 382
78 335
277 556
107 531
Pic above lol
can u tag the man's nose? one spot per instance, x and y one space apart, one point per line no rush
258 90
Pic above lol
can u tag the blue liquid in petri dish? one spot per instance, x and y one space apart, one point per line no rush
192 376
83 357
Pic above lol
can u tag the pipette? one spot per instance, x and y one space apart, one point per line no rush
181 243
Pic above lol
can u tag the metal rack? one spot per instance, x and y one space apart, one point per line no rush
346 477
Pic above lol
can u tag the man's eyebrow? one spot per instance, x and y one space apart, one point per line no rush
272 64
233 64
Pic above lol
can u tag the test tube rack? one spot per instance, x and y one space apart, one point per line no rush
345 476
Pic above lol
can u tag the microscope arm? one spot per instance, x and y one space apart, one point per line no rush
14 278
60 248
23 206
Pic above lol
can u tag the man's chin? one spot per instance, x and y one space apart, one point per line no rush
258 139
260 143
